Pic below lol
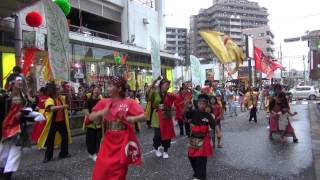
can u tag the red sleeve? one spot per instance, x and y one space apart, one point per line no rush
101 105
134 108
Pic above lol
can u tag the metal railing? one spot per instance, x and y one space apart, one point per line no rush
90 32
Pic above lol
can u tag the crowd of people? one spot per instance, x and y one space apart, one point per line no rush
111 122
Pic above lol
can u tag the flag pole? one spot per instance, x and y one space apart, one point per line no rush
249 60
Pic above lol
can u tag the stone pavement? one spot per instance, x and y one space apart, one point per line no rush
247 154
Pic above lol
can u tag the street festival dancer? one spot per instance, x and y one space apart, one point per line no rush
93 130
39 126
57 121
279 105
199 142
182 102
14 135
120 146
161 120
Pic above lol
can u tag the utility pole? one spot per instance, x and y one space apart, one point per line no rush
280 57
249 60
304 70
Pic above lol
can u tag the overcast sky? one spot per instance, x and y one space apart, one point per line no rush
288 18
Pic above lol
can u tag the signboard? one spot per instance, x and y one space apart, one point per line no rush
210 74
243 71
155 58
79 75
33 39
195 70
58 41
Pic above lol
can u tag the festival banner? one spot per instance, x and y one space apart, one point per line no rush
170 78
155 58
195 70
58 41
132 80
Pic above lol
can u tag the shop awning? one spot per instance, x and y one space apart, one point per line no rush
117 45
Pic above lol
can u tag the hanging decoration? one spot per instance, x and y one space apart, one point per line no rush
124 58
29 59
64 5
34 19
120 58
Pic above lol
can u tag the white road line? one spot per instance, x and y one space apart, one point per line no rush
305 102
294 102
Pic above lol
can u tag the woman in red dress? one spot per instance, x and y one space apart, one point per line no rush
161 118
182 101
217 111
120 146
39 126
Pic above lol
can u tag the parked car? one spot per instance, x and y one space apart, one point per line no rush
305 92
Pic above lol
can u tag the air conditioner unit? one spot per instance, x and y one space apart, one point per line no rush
146 21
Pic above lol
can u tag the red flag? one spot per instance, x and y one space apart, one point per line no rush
262 63
276 65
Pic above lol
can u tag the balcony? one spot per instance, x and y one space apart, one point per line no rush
90 32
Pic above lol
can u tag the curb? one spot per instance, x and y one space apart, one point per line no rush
314 113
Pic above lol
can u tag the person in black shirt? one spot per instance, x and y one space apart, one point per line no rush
199 142
93 130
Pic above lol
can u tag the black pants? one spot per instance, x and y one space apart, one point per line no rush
253 114
157 142
195 104
62 129
186 126
93 139
199 166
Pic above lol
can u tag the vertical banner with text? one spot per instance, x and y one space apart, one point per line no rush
58 41
195 70
155 58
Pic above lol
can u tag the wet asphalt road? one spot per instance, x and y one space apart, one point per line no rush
247 154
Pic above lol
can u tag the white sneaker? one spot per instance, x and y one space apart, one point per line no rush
165 155
94 158
158 153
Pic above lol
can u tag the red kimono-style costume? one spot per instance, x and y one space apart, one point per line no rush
206 149
10 153
165 121
199 141
274 119
11 124
39 126
179 105
119 147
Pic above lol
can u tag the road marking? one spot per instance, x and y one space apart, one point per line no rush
304 102
294 102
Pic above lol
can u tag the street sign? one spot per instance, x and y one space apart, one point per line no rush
79 75
292 39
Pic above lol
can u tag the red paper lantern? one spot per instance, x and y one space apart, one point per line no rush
34 19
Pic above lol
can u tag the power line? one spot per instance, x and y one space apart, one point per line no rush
296 18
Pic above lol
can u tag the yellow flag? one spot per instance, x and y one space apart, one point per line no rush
215 41
47 75
224 48
235 53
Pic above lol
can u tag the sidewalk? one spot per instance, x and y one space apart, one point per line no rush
314 112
